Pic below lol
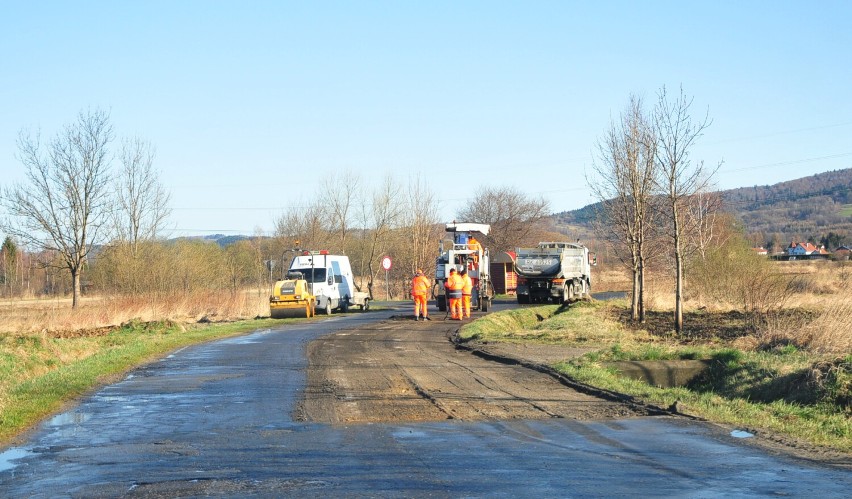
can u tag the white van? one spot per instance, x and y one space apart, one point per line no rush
330 280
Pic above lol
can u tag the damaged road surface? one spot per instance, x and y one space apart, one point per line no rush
363 405
405 371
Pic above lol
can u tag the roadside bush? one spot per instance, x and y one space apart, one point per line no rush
733 274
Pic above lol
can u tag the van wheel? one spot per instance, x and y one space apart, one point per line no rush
328 307
344 305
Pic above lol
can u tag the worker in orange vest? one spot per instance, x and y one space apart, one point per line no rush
467 289
473 244
419 288
454 287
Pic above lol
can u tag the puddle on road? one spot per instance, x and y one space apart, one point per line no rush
741 434
68 423
12 454
67 418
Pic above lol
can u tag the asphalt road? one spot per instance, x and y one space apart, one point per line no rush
217 419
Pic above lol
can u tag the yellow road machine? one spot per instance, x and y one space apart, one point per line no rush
291 298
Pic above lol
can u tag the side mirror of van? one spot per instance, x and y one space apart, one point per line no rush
331 279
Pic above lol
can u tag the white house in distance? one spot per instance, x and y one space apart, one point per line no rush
806 249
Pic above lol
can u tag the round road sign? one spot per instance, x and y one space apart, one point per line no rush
386 263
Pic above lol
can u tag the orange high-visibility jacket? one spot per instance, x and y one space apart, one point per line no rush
454 286
474 244
467 287
420 285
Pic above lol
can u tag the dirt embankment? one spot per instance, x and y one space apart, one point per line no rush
403 371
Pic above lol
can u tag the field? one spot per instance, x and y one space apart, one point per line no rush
56 318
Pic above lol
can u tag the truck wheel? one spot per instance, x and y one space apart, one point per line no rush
328 307
442 303
486 304
570 291
366 306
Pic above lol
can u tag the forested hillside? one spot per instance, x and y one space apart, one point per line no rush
806 208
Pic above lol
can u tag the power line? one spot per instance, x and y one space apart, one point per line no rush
784 132
786 163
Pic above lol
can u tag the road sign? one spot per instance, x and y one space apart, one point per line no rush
386 263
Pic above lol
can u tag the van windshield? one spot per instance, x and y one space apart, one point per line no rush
318 274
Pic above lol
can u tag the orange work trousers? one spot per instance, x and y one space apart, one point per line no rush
420 304
456 308
466 305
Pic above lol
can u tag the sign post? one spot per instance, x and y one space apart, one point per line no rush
386 264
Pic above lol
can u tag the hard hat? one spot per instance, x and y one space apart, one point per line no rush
419 272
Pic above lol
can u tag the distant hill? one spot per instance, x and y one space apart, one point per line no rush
798 209
808 207
220 239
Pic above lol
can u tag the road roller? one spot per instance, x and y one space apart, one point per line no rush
291 298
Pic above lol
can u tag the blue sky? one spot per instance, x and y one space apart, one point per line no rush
250 104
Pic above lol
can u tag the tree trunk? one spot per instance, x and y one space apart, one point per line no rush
641 286
75 278
678 294
678 270
635 296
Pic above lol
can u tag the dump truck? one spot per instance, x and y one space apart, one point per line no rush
330 281
464 253
556 271
291 298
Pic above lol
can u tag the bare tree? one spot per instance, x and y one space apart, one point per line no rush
702 210
421 219
624 184
379 218
304 223
241 265
340 191
142 202
513 216
679 178
64 202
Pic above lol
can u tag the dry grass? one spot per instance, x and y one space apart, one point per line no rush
829 330
822 287
610 278
817 314
57 318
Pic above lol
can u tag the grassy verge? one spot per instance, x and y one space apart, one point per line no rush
39 373
784 390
